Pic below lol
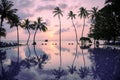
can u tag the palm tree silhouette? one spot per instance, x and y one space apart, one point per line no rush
15 22
72 16
93 14
40 59
6 10
83 13
58 12
26 25
39 25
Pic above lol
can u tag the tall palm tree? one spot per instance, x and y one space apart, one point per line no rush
58 12
6 10
83 13
26 25
72 16
39 25
15 22
94 13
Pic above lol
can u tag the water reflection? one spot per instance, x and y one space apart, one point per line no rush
106 63
8 72
41 63
84 70
72 68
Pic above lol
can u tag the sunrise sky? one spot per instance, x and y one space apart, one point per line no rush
32 9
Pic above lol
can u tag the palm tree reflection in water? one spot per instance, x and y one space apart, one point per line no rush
72 68
12 70
2 57
83 71
41 59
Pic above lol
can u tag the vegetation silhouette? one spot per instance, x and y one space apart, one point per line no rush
15 22
72 16
58 12
2 32
83 13
27 25
39 25
40 59
106 22
12 70
6 11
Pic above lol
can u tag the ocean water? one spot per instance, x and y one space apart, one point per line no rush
45 62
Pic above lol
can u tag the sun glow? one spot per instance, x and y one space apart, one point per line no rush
51 35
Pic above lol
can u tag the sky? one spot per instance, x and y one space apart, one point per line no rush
32 9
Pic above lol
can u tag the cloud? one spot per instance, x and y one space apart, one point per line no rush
48 0
48 22
50 7
62 30
47 7
62 5
24 15
77 24
26 3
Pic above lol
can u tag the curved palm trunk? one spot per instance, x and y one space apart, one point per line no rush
34 43
83 28
60 41
39 62
75 31
36 53
83 31
83 58
18 42
75 55
1 23
28 37
17 35
29 51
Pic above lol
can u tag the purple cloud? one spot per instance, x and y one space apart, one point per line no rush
62 30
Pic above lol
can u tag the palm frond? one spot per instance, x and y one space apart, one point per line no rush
57 11
71 15
83 13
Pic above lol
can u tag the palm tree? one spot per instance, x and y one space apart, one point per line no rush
39 25
15 22
72 16
58 12
6 11
26 25
83 13
94 14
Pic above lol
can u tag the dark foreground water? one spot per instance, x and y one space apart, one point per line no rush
44 62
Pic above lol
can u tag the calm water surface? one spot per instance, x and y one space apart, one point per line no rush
44 62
